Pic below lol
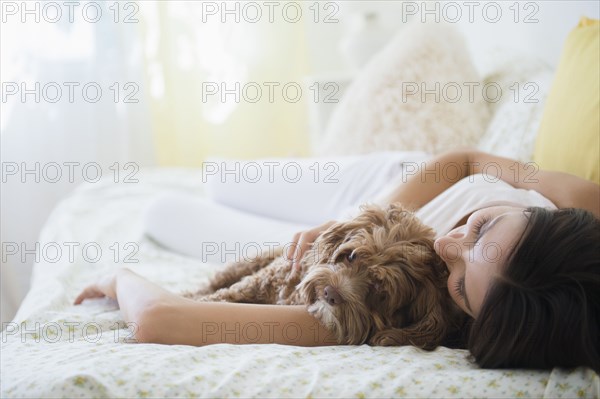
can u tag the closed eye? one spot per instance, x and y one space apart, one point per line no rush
459 287
478 227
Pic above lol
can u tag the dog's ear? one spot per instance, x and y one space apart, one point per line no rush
428 329
426 334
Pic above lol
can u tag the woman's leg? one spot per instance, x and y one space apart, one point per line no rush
213 232
305 190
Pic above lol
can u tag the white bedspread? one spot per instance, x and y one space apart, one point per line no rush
52 348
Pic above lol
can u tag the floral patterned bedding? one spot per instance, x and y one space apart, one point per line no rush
54 349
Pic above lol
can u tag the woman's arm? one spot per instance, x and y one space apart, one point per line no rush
159 316
203 323
563 189
135 296
425 181
432 177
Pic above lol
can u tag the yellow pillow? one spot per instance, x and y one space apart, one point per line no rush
569 136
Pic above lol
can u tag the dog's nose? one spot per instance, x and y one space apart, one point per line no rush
332 296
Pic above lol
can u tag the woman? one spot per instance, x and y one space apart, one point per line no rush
529 277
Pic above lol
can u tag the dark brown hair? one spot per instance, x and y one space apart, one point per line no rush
543 310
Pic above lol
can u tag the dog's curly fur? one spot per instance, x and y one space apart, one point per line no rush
391 282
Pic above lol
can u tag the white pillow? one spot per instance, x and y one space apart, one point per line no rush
378 113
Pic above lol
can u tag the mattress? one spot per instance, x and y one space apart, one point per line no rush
55 349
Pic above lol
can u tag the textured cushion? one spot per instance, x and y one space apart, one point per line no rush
569 135
525 82
378 112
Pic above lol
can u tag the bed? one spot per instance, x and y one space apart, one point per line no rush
54 349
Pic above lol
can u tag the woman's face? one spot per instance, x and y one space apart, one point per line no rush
477 251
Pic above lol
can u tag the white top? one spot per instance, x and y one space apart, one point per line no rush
472 193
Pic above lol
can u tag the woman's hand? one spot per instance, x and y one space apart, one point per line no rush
302 241
105 286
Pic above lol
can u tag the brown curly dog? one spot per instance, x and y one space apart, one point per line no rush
374 279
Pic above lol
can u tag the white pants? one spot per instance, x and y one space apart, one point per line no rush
213 232
245 214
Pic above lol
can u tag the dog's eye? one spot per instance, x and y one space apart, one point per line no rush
351 257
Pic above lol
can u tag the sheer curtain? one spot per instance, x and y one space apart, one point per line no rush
156 64
53 114
223 85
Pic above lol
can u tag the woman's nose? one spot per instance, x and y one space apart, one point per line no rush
457 232
449 247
